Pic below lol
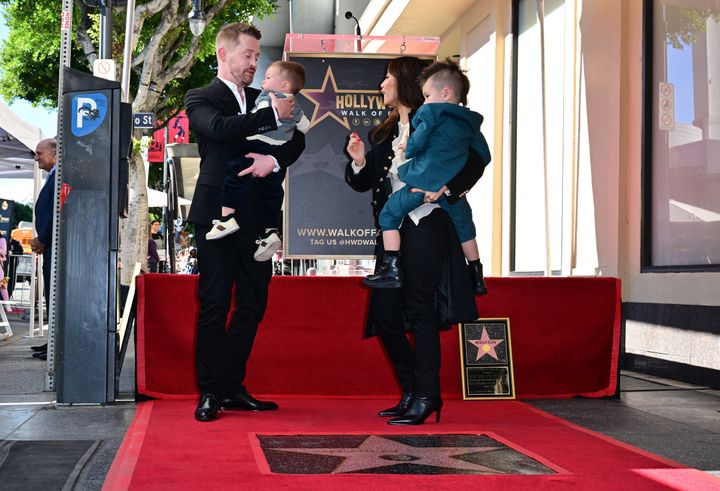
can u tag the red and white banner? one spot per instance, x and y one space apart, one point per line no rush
177 132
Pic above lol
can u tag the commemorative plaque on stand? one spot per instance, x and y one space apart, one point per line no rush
486 358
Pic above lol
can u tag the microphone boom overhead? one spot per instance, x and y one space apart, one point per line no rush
349 15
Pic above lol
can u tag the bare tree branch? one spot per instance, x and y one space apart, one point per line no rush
173 46
145 10
151 54
216 9
142 12
182 67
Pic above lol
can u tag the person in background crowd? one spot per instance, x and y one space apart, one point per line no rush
153 258
15 250
44 212
4 295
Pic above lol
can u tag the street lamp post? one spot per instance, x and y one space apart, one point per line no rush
106 28
106 23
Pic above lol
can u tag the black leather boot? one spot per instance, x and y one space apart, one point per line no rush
400 409
420 409
387 274
476 278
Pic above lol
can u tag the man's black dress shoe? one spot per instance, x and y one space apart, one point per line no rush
207 408
400 409
40 354
42 347
245 402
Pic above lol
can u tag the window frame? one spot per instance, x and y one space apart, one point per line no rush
512 239
646 179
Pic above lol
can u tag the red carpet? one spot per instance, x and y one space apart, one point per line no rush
565 338
166 449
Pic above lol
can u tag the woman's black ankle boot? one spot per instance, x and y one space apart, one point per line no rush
476 278
420 409
400 409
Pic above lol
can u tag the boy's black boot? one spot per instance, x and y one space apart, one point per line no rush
476 278
387 274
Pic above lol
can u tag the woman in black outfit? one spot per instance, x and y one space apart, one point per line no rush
437 289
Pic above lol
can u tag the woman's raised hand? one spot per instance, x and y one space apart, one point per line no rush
356 149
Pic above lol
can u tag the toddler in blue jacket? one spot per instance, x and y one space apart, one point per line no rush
437 149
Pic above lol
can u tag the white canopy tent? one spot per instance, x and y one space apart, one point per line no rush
18 140
158 199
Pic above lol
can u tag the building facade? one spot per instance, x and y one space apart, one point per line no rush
604 123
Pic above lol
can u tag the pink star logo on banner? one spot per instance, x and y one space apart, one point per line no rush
485 345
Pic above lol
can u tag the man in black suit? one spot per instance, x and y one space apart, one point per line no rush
44 212
221 119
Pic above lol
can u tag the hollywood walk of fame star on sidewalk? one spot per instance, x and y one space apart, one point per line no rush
378 452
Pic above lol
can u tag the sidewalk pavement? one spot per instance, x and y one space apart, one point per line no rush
672 419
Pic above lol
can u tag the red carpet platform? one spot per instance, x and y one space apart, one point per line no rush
565 338
166 449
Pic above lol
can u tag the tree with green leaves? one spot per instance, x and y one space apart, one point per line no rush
167 60
683 24
21 213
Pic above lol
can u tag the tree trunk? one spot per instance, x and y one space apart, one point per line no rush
134 228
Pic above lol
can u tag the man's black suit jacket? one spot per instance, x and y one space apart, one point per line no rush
220 133
45 211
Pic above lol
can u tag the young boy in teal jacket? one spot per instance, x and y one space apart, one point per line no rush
437 149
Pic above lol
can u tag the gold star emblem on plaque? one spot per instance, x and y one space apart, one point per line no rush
325 99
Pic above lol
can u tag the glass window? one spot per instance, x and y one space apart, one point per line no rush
528 194
682 167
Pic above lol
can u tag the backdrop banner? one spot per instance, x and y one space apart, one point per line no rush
323 216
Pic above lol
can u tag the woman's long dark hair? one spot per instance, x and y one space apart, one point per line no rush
406 71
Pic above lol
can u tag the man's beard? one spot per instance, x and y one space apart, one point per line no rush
247 78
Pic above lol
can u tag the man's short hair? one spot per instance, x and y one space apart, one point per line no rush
229 34
292 72
447 73
51 144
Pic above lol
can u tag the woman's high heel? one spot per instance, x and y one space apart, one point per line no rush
420 409
401 407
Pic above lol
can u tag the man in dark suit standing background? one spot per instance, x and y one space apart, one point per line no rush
44 213
220 116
